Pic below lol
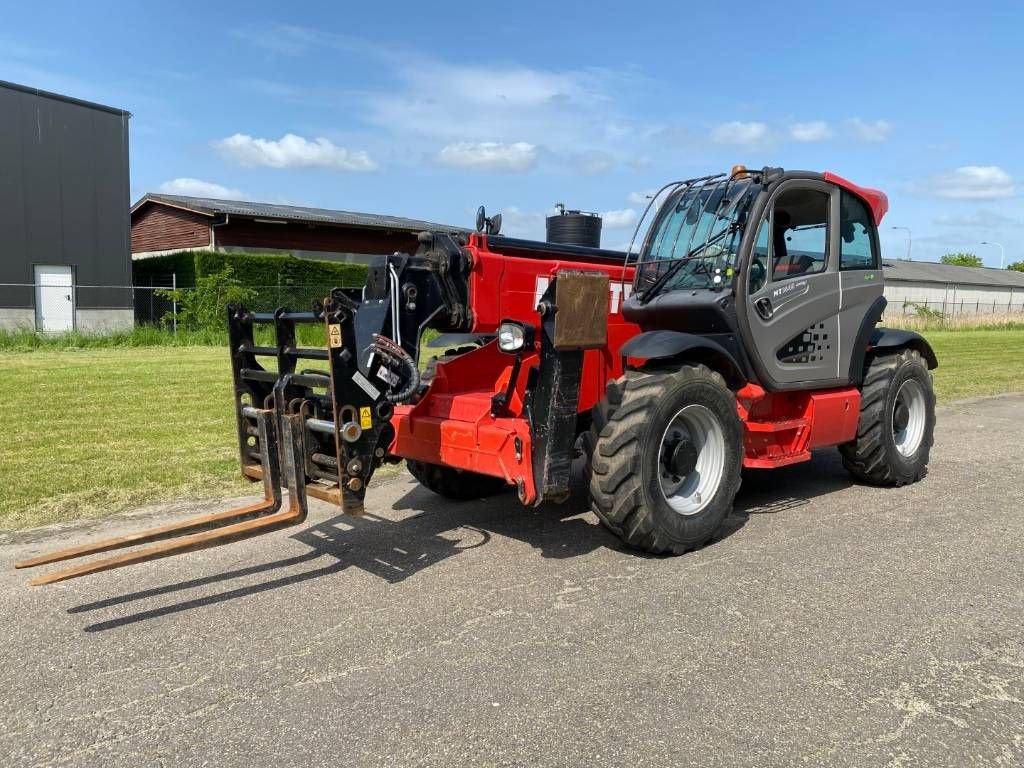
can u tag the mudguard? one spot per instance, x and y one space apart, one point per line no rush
895 338
668 345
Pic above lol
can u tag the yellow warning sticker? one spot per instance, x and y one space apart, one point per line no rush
365 419
334 336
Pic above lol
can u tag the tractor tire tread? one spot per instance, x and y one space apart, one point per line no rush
616 488
865 457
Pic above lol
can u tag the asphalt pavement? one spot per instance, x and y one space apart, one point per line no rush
831 624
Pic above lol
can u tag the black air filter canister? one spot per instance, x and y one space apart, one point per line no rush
574 228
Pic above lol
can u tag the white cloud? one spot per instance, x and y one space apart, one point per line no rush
870 131
291 151
736 132
971 182
516 157
199 188
519 223
565 113
815 130
977 220
577 116
592 162
501 104
283 39
620 219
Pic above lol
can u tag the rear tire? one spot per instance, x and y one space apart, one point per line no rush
897 421
666 464
455 484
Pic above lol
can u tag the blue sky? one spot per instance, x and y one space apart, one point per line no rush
430 109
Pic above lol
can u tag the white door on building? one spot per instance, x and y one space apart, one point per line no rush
55 298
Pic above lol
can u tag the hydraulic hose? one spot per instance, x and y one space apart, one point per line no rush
399 361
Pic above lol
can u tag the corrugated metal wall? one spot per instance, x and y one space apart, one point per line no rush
952 299
64 195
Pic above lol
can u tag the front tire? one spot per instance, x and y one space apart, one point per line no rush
666 463
897 421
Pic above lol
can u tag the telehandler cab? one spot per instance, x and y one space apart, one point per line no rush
743 333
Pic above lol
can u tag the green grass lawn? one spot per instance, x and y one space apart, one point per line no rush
977 362
86 432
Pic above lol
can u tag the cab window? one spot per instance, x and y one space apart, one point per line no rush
856 245
799 243
792 241
762 253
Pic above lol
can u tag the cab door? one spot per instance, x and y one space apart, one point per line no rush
793 288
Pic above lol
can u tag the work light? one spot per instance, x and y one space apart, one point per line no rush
511 337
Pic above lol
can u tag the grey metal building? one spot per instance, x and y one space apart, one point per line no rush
951 289
65 252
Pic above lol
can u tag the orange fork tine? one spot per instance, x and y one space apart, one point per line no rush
208 523
191 525
296 513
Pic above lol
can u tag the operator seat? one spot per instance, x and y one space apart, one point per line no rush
780 255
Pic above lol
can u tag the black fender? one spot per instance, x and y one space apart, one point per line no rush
863 340
892 339
672 345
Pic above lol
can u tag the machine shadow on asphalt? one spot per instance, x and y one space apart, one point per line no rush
437 529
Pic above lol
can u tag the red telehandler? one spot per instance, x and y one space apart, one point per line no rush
743 333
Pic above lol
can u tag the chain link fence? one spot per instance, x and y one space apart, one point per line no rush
954 307
20 303
152 305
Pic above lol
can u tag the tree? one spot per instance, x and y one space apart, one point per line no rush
203 307
962 259
1017 266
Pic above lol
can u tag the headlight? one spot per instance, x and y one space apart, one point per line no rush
511 337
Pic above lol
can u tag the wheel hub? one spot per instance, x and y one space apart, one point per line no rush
681 457
909 417
691 459
900 417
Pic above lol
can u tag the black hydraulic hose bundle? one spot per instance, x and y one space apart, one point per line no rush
400 363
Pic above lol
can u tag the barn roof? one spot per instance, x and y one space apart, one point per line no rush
931 272
212 207
61 97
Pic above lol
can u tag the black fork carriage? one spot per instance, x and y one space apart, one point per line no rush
316 431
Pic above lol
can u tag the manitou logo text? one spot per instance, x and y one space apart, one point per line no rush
617 293
791 290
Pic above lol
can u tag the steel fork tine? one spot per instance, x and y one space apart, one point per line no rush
197 525
296 513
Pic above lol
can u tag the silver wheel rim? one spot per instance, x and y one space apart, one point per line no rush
691 493
911 396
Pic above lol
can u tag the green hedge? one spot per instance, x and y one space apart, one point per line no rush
252 269
159 269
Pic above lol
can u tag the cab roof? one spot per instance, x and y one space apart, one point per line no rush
875 198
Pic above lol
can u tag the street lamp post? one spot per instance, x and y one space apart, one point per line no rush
1002 251
908 241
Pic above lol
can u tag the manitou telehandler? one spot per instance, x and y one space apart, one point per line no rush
743 333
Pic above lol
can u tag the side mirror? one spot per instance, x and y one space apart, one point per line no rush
847 232
494 227
481 219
